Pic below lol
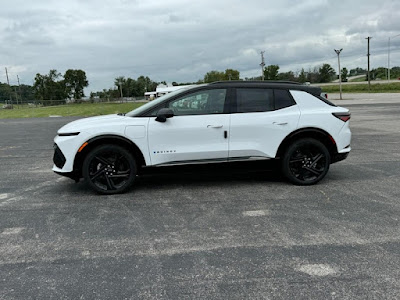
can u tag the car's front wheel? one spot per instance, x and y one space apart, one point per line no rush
306 161
109 169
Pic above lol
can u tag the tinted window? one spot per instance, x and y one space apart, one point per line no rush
283 99
254 100
200 103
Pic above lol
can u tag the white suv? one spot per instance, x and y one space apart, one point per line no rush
218 122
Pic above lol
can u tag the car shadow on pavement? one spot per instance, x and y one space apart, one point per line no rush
221 174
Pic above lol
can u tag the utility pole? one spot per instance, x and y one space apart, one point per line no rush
340 73
8 82
389 60
120 86
369 78
262 64
388 77
19 90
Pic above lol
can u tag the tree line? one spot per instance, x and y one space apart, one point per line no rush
55 88
127 87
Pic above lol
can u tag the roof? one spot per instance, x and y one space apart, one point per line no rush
270 84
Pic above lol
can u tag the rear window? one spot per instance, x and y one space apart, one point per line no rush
283 99
326 101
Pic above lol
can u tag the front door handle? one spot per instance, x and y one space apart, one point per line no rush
280 123
214 126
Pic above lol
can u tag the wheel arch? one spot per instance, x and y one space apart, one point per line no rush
309 132
107 139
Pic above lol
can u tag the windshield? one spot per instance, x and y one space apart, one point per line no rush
149 105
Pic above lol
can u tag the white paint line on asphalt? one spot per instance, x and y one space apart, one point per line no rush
54 116
3 196
326 196
256 213
11 200
42 185
317 269
13 230
29 189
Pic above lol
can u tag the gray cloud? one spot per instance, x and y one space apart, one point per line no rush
177 40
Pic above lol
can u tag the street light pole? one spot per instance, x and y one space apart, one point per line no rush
389 55
340 73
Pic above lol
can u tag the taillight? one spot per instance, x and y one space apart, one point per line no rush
342 116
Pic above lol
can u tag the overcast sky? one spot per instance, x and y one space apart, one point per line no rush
177 40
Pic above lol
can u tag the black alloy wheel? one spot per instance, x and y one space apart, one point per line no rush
306 161
109 169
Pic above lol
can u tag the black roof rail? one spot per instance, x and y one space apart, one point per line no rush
256 81
314 90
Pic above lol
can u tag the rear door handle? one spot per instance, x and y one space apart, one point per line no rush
214 126
280 123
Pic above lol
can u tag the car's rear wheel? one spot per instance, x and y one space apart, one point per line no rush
109 169
306 161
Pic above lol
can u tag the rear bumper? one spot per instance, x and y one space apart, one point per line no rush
339 156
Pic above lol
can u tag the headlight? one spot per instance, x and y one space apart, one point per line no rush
68 134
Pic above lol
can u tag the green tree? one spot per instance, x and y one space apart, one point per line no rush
231 74
302 76
357 71
313 75
75 81
129 87
49 89
271 72
120 83
345 72
379 73
287 76
5 92
395 72
326 73
214 76
39 87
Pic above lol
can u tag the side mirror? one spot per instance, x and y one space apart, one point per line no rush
163 114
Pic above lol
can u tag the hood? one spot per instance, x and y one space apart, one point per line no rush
87 123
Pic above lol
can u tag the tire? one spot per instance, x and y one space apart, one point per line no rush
109 169
306 161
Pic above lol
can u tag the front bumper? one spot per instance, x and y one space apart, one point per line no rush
65 149
72 175
58 157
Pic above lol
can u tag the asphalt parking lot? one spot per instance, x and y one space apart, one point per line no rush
203 233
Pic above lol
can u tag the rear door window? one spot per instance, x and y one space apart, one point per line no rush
254 100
